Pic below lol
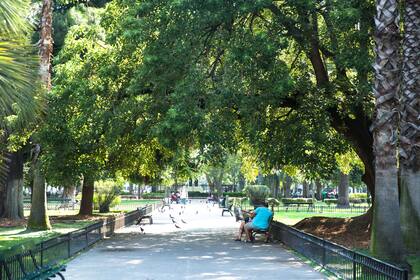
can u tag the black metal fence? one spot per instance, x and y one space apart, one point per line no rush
58 249
344 263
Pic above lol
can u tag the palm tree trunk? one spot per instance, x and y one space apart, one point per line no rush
410 129
38 218
386 236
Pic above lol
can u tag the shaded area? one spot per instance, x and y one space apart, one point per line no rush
201 248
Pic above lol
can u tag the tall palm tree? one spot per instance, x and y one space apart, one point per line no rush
18 106
410 128
38 218
17 74
386 236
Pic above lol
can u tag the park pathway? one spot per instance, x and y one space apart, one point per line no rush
202 248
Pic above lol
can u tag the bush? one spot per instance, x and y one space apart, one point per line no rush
329 201
106 195
234 194
197 194
358 196
153 195
297 200
257 193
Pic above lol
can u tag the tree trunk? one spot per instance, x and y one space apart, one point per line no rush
305 189
276 186
318 190
38 219
86 205
140 190
69 192
13 191
387 240
131 188
410 129
287 185
343 191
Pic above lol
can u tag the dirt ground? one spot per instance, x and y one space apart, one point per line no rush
55 219
349 232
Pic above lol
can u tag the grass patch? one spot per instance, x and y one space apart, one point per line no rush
415 265
291 218
15 239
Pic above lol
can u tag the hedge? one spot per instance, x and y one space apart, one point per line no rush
297 200
153 195
329 201
234 194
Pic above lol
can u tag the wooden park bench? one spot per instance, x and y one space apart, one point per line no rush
144 215
32 270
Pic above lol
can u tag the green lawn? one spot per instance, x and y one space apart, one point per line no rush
291 218
415 264
15 239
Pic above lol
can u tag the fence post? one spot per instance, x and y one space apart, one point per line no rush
86 235
354 265
42 253
69 245
405 277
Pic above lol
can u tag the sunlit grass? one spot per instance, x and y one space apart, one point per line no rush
415 265
291 218
15 239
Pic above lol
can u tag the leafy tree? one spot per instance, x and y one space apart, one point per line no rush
18 104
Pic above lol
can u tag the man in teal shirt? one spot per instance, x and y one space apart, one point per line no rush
260 221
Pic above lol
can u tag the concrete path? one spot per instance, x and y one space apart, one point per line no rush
203 248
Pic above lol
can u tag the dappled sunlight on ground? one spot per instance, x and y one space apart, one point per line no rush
201 248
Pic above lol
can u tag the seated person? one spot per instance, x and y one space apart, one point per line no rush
260 218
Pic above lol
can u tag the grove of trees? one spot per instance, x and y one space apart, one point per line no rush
155 90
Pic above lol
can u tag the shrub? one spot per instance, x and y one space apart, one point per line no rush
358 196
234 194
257 193
329 201
297 200
197 194
153 195
106 195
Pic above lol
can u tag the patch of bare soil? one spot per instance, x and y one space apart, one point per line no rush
84 217
349 232
12 223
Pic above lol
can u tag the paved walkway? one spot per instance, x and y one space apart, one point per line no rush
202 248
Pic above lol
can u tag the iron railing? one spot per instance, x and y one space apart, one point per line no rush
342 262
60 248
